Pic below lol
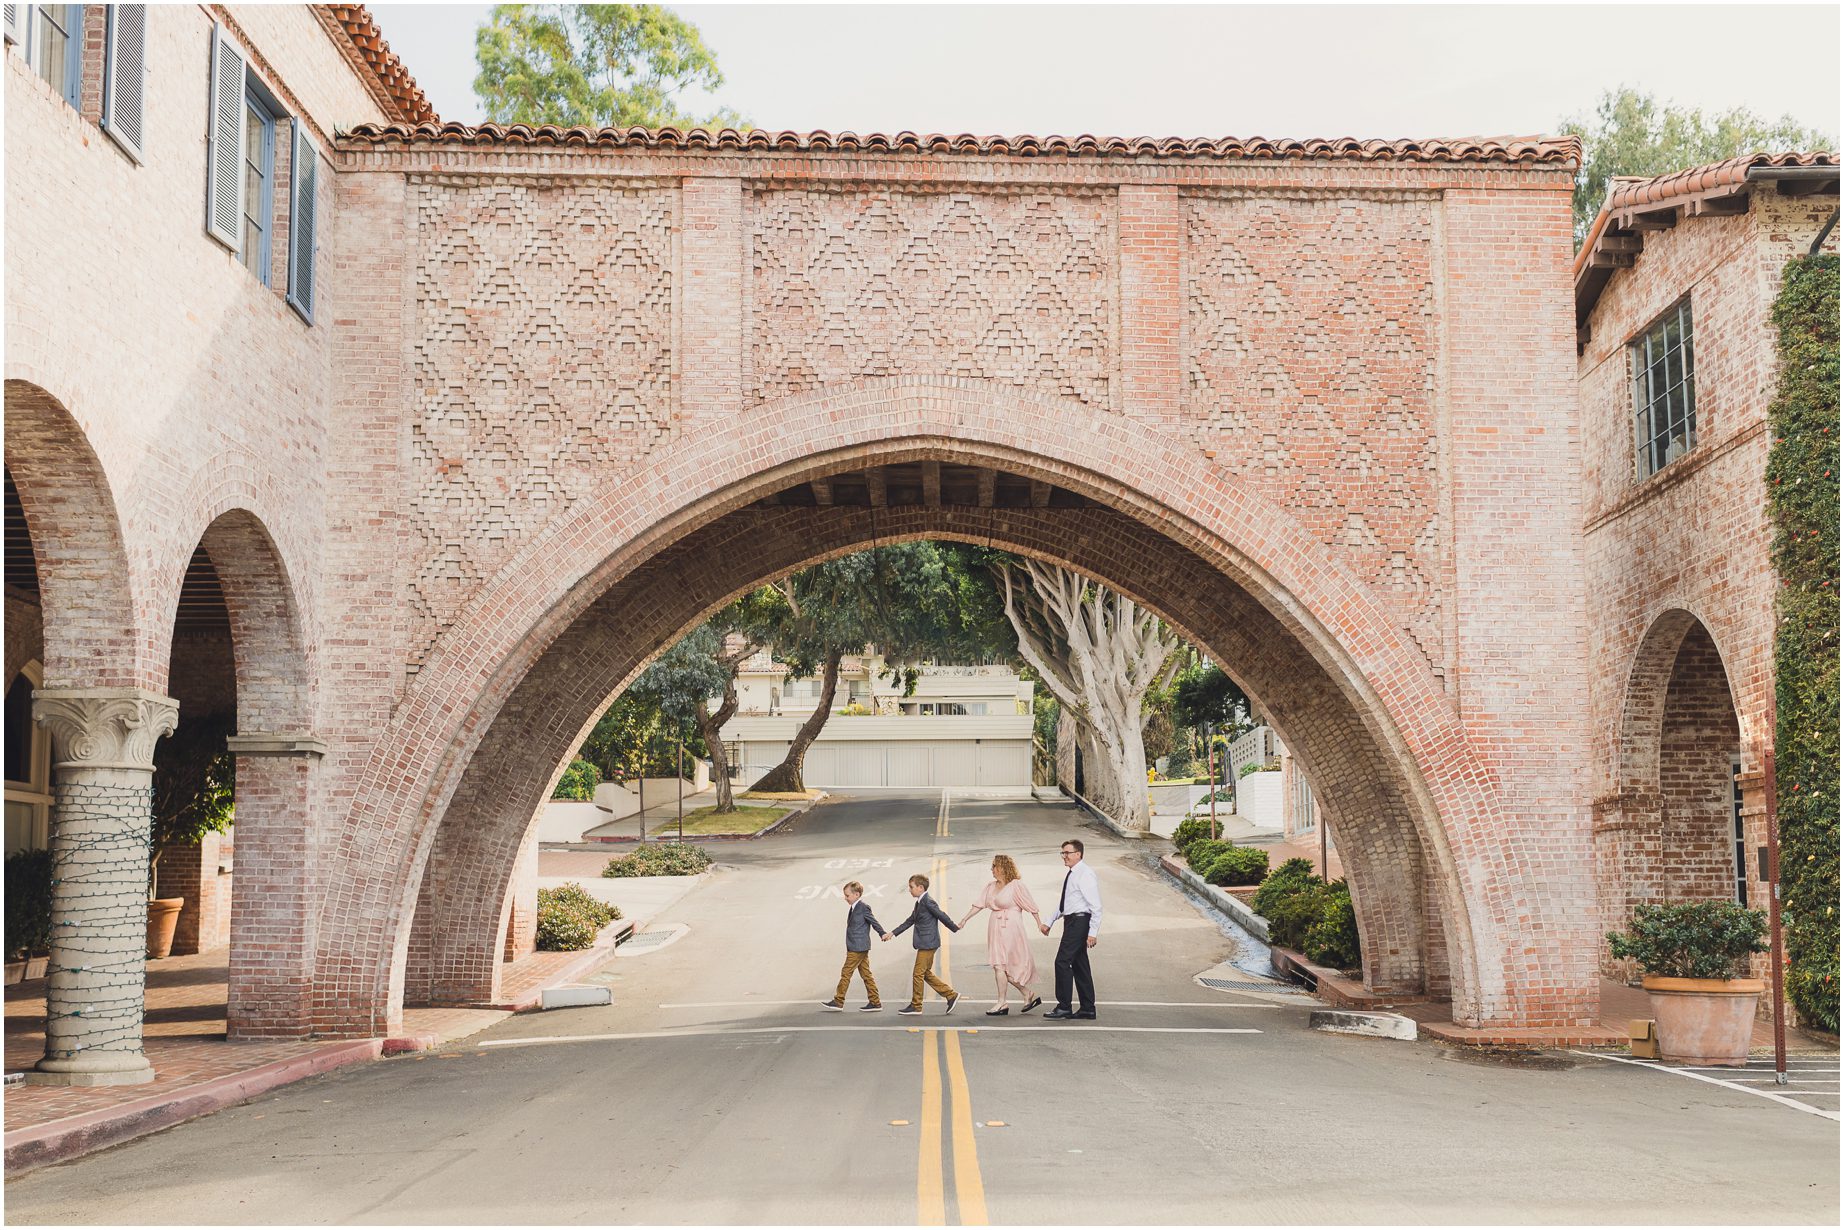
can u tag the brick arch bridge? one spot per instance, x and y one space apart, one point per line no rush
1314 402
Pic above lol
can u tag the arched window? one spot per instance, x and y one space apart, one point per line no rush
28 767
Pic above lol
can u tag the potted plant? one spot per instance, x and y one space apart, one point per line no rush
28 914
194 789
1694 955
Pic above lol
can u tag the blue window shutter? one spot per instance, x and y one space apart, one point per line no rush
124 77
224 163
304 173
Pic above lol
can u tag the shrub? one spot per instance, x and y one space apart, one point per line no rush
1257 767
568 918
28 904
1237 867
1332 940
1802 501
578 782
1290 877
1692 939
1190 829
671 859
1205 851
1292 916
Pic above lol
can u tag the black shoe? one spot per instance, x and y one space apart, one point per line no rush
998 1011
870 1008
1082 1016
1058 1014
1036 1002
909 1010
952 1000
832 1005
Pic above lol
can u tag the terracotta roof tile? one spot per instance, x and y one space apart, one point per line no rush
397 89
1559 151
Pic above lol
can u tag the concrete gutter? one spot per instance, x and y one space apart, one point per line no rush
1244 917
62 1139
1108 822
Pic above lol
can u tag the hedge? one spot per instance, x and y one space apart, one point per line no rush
1237 867
578 782
670 859
1332 940
1802 496
568 918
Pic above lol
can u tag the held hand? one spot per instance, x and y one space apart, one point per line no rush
1044 929
1091 941
886 937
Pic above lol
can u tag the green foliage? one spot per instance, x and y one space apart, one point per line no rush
1203 693
195 786
28 904
578 782
1295 902
1237 867
1290 877
1692 939
1259 766
1190 829
672 859
568 918
1802 500
1332 940
1631 133
1204 851
600 65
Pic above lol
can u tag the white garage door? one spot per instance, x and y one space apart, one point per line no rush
1004 764
859 765
955 765
906 766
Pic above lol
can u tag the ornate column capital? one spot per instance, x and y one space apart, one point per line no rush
104 728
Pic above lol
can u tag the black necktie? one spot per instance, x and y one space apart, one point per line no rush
1063 900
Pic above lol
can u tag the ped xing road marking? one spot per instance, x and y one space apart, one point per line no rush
558 1039
1795 1103
1106 1003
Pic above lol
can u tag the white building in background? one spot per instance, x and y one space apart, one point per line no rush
963 728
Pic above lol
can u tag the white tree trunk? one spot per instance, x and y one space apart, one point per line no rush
1099 653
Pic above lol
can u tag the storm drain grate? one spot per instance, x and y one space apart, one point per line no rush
648 940
1270 988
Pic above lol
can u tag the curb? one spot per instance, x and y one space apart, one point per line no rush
703 837
619 933
1244 917
1364 1024
73 1136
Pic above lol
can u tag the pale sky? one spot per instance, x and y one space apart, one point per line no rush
1211 70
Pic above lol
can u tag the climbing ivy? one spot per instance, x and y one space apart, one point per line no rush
1802 492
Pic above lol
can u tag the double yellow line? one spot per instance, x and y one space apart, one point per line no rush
969 1188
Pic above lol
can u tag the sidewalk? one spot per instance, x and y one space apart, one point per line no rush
198 1070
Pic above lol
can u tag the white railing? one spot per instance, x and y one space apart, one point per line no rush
1257 746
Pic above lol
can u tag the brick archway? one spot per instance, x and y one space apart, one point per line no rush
1447 798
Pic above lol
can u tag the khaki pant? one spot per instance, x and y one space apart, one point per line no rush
861 963
925 973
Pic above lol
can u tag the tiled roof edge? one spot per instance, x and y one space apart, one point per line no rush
395 88
1556 151
1675 189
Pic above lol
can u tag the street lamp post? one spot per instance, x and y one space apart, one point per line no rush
1210 760
681 763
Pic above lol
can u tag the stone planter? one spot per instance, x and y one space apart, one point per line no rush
36 967
15 972
162 921
1704 1021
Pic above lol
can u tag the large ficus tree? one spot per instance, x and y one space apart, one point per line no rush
1099 653
597 65
1633 133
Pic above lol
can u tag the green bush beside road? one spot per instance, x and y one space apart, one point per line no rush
568 918
670 859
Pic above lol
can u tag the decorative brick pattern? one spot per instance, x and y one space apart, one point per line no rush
1015 289
542 364
1310 356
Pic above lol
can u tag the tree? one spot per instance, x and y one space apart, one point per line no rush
1204 694
598 65
704 664
1635 134
1100 653
900 598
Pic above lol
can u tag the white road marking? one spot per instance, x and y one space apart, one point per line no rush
985 1031
1106 1003
1710 1080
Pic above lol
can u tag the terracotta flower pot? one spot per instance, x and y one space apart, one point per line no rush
162 921
1704 1021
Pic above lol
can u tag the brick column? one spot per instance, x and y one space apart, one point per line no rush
102 770
709 370
272 907
522 917
1152 303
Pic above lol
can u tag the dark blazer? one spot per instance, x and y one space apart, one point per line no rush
926 918
859 922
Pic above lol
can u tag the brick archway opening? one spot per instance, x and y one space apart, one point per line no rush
1407 905
1677 833
238 662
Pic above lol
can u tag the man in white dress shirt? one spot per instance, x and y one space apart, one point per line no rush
1079 906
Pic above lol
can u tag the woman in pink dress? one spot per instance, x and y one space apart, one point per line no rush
1008 945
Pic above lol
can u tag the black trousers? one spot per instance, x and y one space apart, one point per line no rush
1072 964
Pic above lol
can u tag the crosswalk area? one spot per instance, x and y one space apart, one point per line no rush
1811 1080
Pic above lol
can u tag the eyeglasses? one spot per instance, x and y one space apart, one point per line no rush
1067 853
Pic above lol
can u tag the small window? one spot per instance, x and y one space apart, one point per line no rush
1664 392
51 38
258 184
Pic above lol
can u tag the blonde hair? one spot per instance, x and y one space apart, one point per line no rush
852 886
1007 869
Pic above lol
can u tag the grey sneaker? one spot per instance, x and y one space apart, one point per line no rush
871 1008
832 1005
952 1000
909 1010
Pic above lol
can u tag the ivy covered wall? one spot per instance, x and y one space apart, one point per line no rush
1802 485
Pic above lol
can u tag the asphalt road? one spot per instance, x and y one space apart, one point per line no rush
715 1090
